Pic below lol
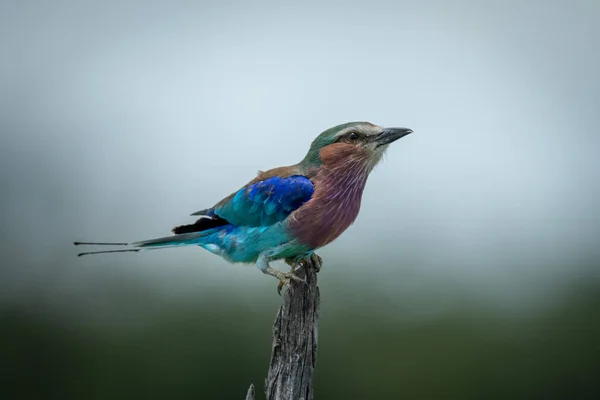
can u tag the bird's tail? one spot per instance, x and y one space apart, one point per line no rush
186 239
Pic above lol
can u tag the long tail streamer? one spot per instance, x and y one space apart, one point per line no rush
184 239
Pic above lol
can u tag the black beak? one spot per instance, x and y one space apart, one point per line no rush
390 135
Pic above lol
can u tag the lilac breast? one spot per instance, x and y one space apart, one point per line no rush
333 208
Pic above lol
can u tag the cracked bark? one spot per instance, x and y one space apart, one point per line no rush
295 335
250 394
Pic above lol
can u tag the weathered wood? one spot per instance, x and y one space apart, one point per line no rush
250 394
295 335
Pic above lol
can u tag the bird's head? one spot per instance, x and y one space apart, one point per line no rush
352 143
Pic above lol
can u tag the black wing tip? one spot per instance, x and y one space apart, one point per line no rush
200 225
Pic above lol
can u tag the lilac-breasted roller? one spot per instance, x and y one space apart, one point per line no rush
288 212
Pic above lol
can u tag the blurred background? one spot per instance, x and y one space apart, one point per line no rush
473 270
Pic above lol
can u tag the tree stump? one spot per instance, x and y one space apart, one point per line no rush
295 336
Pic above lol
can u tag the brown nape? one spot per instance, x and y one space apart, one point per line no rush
201 224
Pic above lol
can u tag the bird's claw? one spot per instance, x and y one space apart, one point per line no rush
314 259
285 279
295 264
317 261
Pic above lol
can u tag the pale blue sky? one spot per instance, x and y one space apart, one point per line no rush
118 119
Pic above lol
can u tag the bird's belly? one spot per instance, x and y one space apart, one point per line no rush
326 232
245 244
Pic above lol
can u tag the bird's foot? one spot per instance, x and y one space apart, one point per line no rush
296 263
317 261
284 278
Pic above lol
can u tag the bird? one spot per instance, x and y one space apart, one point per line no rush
286 212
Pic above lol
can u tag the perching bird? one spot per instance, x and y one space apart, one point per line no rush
288 212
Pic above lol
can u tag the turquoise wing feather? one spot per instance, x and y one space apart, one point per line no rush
266 202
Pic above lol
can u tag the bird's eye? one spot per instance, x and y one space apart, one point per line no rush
352 136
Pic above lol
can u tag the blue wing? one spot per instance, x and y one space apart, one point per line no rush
265 202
